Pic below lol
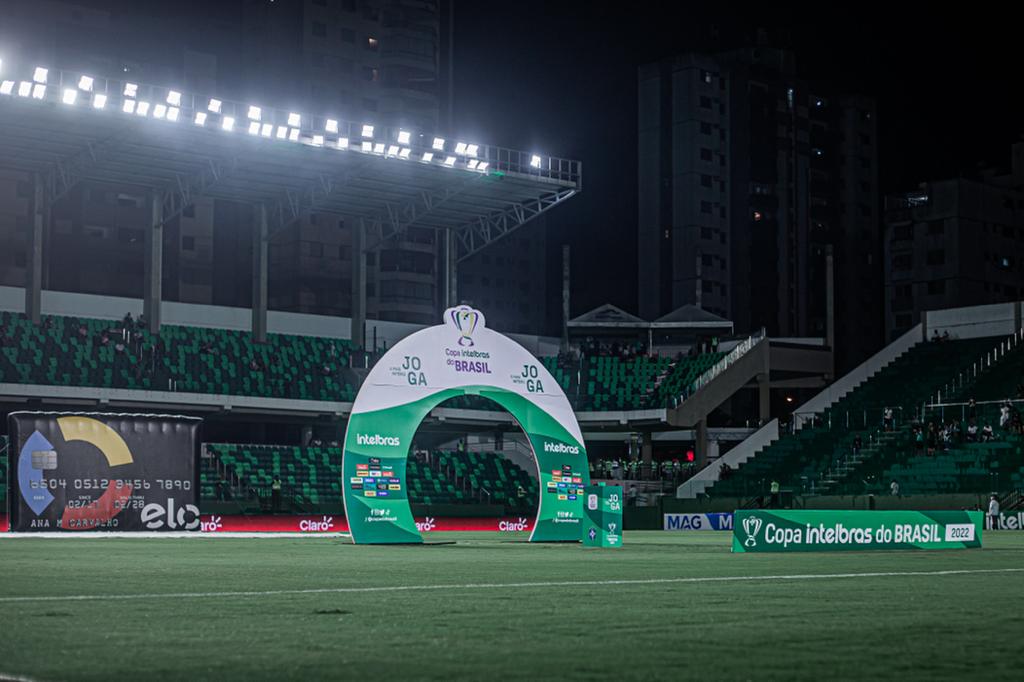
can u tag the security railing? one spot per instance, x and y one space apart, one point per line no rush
709 375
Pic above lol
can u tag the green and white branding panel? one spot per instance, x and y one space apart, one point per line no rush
602 507
770 530
460 357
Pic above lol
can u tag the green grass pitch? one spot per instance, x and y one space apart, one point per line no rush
489 608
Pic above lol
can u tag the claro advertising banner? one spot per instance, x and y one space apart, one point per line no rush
764 530
109 472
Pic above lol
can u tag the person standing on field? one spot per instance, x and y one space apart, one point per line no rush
993 513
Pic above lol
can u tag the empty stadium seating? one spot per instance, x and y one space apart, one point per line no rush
311 476
799 461
613 383
69 351
66 351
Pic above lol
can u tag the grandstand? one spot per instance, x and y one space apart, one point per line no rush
311 476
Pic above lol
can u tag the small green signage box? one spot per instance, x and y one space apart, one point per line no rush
602 516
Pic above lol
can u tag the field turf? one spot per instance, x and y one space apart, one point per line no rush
489 608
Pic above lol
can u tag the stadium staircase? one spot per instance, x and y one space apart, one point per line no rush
817 457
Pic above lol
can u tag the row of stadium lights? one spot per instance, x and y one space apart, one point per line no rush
170 110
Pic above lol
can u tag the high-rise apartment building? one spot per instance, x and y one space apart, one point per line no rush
750 181
954 243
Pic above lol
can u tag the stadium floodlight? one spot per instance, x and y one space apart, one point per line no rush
471 164
267 130
131 90
69 96
254 127
159 110
255 113
99 100
483 166
228 123
460 148
294 120
535 161
331 126
38 91
282 132
200 119
39 75
7 87
428 157
439 144
393 150
24 89
129 106
378 148
404 136
342 143
172 114
404 154
142 109
471 149
367 130
174 98
214 105
367 146
318 140
450 161
293 135
85 83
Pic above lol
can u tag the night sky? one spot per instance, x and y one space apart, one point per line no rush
560 78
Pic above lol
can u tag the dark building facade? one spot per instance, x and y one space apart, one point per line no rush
748 179
953 243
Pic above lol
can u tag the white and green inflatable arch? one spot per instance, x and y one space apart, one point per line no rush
460 357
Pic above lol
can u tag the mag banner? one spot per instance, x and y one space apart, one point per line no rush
709 521
769 530
109 472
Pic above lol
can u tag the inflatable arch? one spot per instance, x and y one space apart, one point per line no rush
459 357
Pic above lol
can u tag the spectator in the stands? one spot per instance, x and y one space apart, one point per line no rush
83 332
918 440
987 434
887 418
1004 415
856 444
935 336
972 409
254 365
972 432
894 488
774 490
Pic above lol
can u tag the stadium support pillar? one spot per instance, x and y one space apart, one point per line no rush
763 399
358 331
259 276
702 443
451 269
34 259
565 295
154 244
646 453
830 308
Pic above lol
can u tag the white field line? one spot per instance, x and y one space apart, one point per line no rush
505 586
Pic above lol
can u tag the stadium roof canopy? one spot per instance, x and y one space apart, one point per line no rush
69 127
